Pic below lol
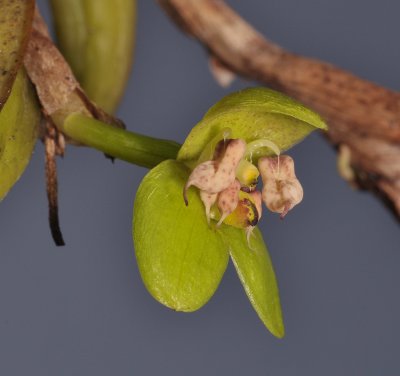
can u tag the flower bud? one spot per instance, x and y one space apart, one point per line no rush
282 190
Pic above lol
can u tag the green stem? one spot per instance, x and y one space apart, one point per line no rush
131 147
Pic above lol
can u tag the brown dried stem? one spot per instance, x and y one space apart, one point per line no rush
51 145
362 116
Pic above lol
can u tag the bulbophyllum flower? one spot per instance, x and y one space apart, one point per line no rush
282 190
183 244
218 183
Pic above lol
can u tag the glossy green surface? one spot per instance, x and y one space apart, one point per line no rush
254 267
251 114
181 259
19 125
119 143
97 39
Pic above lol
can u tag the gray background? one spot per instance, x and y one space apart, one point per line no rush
83 310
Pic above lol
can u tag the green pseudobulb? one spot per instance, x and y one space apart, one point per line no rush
19 126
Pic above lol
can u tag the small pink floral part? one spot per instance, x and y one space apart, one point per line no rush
282 190
217 175
209 200
228 200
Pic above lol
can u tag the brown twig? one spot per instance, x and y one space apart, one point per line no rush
52 148
361 115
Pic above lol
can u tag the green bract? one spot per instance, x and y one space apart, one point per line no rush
251 114
256 273
19 124
180 257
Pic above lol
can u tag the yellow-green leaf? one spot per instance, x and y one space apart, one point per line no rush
251 114
97 39
257 275
19 124
180 258
15 24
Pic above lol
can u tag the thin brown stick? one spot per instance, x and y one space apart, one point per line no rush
362 116
51 146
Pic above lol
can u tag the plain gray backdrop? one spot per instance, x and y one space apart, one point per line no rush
82 309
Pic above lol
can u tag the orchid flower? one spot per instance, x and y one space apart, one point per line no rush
193 213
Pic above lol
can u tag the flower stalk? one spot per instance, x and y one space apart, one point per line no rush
131 147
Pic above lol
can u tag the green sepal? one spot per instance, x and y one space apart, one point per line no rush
19 126
181 258
251 114
254 267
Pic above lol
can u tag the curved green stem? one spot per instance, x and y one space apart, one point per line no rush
254 148
131 147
